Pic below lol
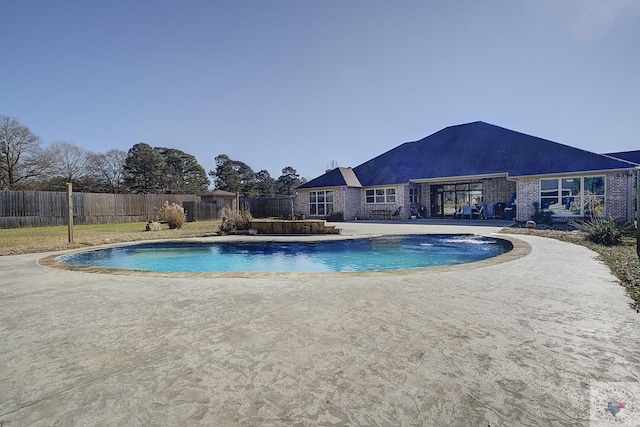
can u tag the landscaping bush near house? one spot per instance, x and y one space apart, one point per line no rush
335 217
173 214
541 217
603 231
235 220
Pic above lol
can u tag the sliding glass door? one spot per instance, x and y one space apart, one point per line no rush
447 198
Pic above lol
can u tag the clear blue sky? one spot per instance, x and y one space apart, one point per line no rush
301 83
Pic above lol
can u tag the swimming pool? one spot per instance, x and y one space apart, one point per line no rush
398 252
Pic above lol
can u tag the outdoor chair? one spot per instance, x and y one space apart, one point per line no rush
397 211
465 211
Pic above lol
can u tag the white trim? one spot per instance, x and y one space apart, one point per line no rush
385 195
458 178
513 177
324 203
570 174
620 159
581 195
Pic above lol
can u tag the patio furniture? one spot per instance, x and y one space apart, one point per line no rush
470 212
379 214
415 211
479 212
464 211
509 213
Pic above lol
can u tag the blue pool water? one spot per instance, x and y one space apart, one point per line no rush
373 254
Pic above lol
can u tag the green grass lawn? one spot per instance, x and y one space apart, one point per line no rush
43 239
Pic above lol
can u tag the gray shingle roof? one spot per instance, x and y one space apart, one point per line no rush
473 149
629 156
337 177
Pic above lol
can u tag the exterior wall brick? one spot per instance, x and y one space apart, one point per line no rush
619 196
498 190
384 210
345 200
528 193
426 198
301 202
618 199
351 201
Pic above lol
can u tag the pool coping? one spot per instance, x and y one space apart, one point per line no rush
523 342
519 249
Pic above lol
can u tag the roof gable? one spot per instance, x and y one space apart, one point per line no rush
337 177
472 149
479 149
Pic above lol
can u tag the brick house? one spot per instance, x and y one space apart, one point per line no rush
480 170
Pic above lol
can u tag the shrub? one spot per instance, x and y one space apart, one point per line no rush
235 220
603 231
541 217
173 214
335 217
153 226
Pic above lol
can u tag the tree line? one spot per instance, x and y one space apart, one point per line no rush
26 164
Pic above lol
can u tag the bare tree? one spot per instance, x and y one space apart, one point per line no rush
108 169
21 154
331 166
69 161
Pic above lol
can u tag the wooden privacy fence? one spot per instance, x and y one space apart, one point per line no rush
201 211
266 207
47 208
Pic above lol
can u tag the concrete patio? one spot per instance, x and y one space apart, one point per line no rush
513 343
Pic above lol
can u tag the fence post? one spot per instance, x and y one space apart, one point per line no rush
70 211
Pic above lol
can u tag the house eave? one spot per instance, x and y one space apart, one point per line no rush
327 186
459 178
634 164
576 173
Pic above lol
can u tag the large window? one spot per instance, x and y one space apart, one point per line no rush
594 195
456 195
321 202
414 195
577 196
380 195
